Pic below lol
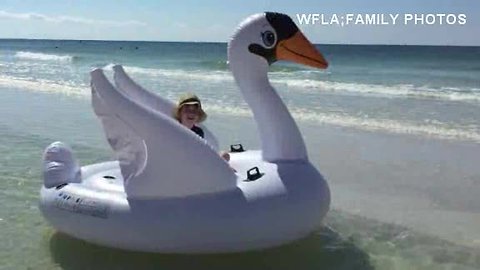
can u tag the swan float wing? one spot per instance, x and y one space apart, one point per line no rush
130 88
136 92
128 146
178 162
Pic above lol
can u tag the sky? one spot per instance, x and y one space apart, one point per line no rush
215 20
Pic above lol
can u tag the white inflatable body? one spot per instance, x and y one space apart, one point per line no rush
257 214
170 191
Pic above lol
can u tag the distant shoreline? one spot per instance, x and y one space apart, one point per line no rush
217 42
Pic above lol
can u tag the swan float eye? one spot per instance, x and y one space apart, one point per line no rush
269 39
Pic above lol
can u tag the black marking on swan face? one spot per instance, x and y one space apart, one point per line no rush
284 28
268 54
283 25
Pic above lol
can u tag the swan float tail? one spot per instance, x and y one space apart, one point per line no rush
59 165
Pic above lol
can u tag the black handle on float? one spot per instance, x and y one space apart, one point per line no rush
236 148
253 174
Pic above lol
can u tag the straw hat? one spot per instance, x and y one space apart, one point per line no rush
189 99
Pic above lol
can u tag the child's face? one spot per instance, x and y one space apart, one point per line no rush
189 115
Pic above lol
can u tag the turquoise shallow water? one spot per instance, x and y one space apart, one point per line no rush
398 146
347 241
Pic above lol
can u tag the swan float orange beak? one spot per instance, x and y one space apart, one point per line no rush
300 50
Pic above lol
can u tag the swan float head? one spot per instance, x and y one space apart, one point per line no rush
259 41
274 36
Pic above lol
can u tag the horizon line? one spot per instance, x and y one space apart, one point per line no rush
224 42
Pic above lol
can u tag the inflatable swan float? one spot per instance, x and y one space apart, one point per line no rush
170 191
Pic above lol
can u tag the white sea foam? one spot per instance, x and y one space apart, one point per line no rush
434 129
389 91
43 56
46 86
201 75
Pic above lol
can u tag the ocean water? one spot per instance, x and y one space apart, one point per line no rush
395 130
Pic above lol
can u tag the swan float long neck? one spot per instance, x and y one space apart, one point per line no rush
279 134
260 40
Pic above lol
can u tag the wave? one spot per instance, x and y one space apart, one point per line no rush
340 88
201 75
43 56
222 65
433 130
204 75
45 86
215 65
389 91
